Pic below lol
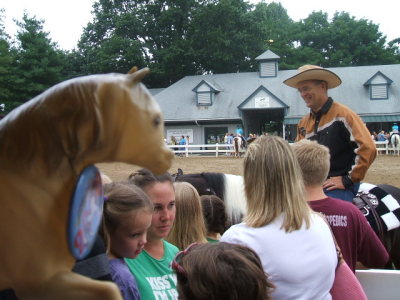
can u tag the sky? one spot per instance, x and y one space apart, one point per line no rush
65 19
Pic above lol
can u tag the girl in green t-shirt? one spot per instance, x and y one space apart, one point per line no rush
152 268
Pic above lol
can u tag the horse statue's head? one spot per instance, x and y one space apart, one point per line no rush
46 143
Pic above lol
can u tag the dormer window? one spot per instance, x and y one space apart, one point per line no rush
379 86
268 64
205 93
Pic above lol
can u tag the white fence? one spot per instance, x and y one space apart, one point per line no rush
227 149
217 149
386 148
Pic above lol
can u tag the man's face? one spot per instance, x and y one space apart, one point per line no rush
314 93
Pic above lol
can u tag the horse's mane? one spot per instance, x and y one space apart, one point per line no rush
48 125
217 182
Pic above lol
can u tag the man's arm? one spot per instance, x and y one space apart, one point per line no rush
366 149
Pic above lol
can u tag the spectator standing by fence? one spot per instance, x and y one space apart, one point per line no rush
381 136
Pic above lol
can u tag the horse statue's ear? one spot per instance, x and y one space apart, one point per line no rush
133 70
137 76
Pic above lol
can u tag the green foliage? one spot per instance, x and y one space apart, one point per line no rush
275 31
6 64
39 63
222 35
342 42
176 38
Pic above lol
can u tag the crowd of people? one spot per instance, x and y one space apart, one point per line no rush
160 239
165 241
383 136
301 238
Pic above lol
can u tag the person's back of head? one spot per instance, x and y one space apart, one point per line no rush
144 178
216 271
214 213
274 184
314 160
189 224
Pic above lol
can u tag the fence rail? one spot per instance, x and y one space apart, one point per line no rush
386 148
227 149
218 149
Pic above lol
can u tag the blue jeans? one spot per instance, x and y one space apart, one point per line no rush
347 194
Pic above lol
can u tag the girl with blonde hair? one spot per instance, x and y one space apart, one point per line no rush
189 224
295 245
127 216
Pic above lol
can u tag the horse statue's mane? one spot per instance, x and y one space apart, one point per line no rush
45 144
27 128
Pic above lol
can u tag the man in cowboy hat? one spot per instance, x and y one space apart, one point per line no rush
336 126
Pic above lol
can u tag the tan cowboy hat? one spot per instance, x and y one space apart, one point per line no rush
311 72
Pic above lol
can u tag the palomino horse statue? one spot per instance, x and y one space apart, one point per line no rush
45 144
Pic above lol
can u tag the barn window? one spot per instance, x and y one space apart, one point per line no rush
205 93
204 98
379 86
268 69
268 64
379 91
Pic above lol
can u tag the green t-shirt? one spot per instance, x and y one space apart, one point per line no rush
210 240
155 277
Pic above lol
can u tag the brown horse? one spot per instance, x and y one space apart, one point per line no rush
45 144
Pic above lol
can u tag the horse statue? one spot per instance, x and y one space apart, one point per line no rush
395 142
230 188
45 144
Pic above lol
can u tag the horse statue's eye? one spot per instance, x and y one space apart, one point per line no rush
156 121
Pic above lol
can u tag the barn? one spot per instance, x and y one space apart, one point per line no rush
205 107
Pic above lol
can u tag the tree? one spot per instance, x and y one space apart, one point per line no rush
5 62
344 41
275 30
223 37
39 63
7 76
141 33
357 43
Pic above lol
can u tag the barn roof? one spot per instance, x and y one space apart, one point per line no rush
178 101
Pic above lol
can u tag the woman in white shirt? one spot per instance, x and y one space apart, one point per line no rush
295 244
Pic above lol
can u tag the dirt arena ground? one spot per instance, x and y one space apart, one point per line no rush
384 170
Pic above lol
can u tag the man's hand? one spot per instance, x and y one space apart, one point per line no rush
334 183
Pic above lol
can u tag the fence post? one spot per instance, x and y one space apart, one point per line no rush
187 150
387 147
216 150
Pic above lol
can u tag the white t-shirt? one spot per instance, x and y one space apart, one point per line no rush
301 263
